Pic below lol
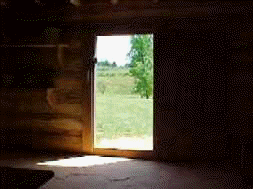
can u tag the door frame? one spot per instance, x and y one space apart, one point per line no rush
88 142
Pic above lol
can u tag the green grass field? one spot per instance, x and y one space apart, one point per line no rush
118 110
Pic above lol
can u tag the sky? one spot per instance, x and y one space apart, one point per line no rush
113 48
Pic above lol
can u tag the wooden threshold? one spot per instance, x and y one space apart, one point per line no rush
124 153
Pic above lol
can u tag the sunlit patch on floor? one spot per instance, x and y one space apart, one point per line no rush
83 161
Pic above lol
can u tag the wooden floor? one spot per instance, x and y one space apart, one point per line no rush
131 174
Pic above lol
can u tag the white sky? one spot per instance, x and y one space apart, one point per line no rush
113 48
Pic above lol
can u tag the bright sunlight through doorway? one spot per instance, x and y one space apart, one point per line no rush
124 92
85 161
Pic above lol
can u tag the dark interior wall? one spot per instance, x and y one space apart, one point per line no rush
204 91
213 109
239 87
191 89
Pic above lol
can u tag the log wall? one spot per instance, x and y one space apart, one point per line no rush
38 117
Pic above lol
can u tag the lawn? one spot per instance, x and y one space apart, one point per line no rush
118 111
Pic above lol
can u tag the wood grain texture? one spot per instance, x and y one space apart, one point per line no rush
57 142
47 118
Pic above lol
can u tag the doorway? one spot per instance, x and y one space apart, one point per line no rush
123 92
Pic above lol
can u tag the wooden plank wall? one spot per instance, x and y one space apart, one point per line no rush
46 118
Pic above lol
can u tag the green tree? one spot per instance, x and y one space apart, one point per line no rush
141 61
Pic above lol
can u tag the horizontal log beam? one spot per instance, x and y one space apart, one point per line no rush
39 116
54 132
107 12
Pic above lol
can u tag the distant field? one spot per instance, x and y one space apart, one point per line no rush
117 81
118 111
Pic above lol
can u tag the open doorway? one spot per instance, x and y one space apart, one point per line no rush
123 92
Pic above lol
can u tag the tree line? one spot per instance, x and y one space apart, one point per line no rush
107 64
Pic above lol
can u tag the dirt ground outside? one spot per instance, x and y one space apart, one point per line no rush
128 143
